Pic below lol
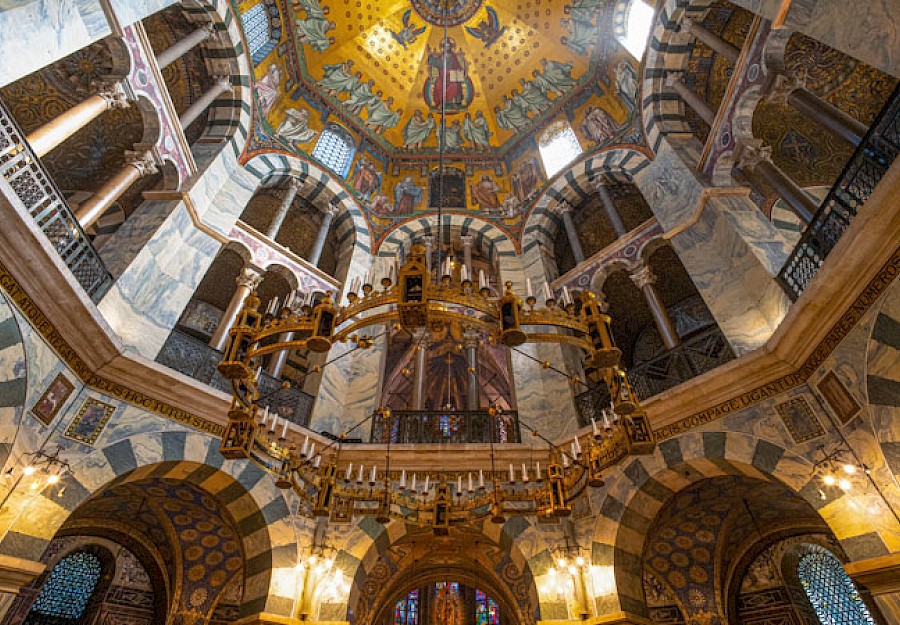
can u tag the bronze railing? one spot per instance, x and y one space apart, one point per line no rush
863 172
37 191
197 360
447 426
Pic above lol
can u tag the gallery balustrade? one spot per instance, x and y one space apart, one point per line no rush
31 183
863 172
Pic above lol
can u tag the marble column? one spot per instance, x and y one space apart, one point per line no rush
792 91
473 392
716 43
644 279
185 45
610 207
420 340
222 85
698 104
111 95
467 241
327 217
756 159
565 211
247 281
428 241
137 165
286 202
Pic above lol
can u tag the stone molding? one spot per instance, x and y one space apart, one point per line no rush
879 575
17 572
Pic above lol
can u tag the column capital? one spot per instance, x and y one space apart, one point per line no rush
113 91
563 207
784 86
294 184
223 82
642 276
212 33
249 277
144 162
687 23
331 210
752 153
471 338
467 240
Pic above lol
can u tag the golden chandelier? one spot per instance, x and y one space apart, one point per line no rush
410 299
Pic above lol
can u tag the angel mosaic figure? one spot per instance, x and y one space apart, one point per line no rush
488 30
409 33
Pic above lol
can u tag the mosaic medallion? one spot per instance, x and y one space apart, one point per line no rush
446 12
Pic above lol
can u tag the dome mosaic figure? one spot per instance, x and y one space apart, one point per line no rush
476 130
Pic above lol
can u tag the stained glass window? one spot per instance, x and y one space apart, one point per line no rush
558 146
335 148
486 610
256 29
67 591
831 591
407 610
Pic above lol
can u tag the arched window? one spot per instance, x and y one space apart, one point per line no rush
407 610
335 148
486 610
558 146
67 592
831 591
633 36
262 28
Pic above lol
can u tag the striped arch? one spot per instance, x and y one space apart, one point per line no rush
635 495
574 186
13 377
378 565
883 378
489 238
226 54
260 510
668 51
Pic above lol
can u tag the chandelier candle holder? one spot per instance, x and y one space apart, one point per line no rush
410 298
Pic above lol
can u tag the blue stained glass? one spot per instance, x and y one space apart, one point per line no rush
335 149
407 610
486 610
831 591
256 27
68 589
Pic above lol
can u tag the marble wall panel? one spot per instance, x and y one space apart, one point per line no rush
130 11
49 30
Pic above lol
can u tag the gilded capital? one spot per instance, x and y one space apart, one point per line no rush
643 276
249 278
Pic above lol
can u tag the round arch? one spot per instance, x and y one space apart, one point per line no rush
260 510
639 490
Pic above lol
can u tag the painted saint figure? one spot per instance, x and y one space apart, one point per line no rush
531 99
417 130
312 8
582 35
295 127
626 84
526 179
381 117
314 31
511 116
366 179
268 88
407 196
476 130
338 78
484 192
453 136
361 97
455 91
598 125
558 74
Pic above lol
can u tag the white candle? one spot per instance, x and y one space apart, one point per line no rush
412 484
305 447
548 294
524 473
284 430
537 471
312 449
574 452
427 480
594 426
482 279
349 472
528 290
392 276
258 372
374 474
265 418
512 474
369 276
565 461
459 484
480 478
318 461
447 266
464 273
577 446
274 424
567 299
606 425
470 483
403 479
359 478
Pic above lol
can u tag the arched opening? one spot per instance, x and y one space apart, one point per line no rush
335 149
446 602
558 146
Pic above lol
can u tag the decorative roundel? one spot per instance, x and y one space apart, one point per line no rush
446 12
